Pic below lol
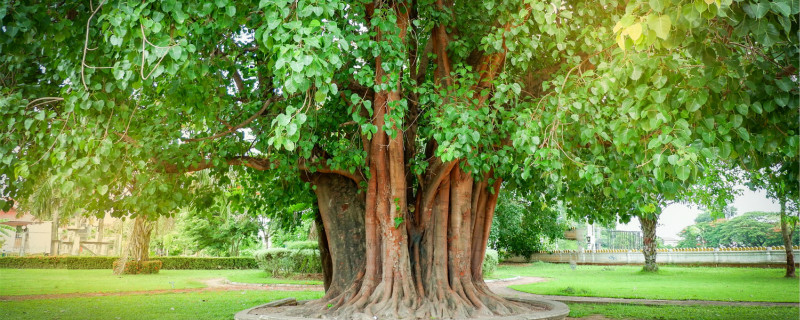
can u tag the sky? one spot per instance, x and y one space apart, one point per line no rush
678 216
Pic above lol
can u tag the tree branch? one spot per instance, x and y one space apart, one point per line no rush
266 105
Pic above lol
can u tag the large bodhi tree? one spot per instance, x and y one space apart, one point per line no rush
404 118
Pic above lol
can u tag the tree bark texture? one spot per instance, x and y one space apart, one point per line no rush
341 226
786 233
139 241
649 243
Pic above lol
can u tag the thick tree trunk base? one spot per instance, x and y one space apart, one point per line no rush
138 249
532 309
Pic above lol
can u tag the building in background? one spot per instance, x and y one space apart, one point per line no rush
31 236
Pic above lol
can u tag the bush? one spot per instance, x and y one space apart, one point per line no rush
311 244
194 263
282 261
140 267
490 261
168 263
57 262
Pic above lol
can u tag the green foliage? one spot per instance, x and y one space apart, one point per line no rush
615 108
139 267
194 263
490 262
296 230
522 227
282 261
752 229
166 263
296 245
57 262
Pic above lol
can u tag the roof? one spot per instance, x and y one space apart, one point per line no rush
13 220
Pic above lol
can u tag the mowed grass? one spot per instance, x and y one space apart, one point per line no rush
670 282
625 311
54 281
195 305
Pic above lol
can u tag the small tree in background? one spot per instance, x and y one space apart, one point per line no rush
524 226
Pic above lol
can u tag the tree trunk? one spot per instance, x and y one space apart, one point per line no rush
55 242
402 248
100 247
341 230
786 233
649 243
138 243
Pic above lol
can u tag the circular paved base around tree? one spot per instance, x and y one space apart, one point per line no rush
541 310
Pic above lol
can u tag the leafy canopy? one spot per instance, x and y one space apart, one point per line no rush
611 100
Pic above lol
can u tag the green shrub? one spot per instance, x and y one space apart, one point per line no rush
311 244
283 261
57 262
140 267
490 261
195 263
168 263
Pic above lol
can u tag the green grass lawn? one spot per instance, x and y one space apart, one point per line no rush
48 281
623 311
671 282
195 305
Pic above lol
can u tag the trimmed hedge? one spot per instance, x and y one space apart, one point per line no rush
168 263
282 261
490 262
193 263
57 262
143 267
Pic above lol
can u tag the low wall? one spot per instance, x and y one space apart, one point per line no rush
705 256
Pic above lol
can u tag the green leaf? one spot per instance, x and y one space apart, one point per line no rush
397 222
637 73
28 123
782 7
657 5
634 31
673 159
283 120
661 25
289 145
102 190
658 159
320 96
230 11
659 96
757 10
743 133
725 150
736 120
39 116
683 172
176 52
291 129
742 108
